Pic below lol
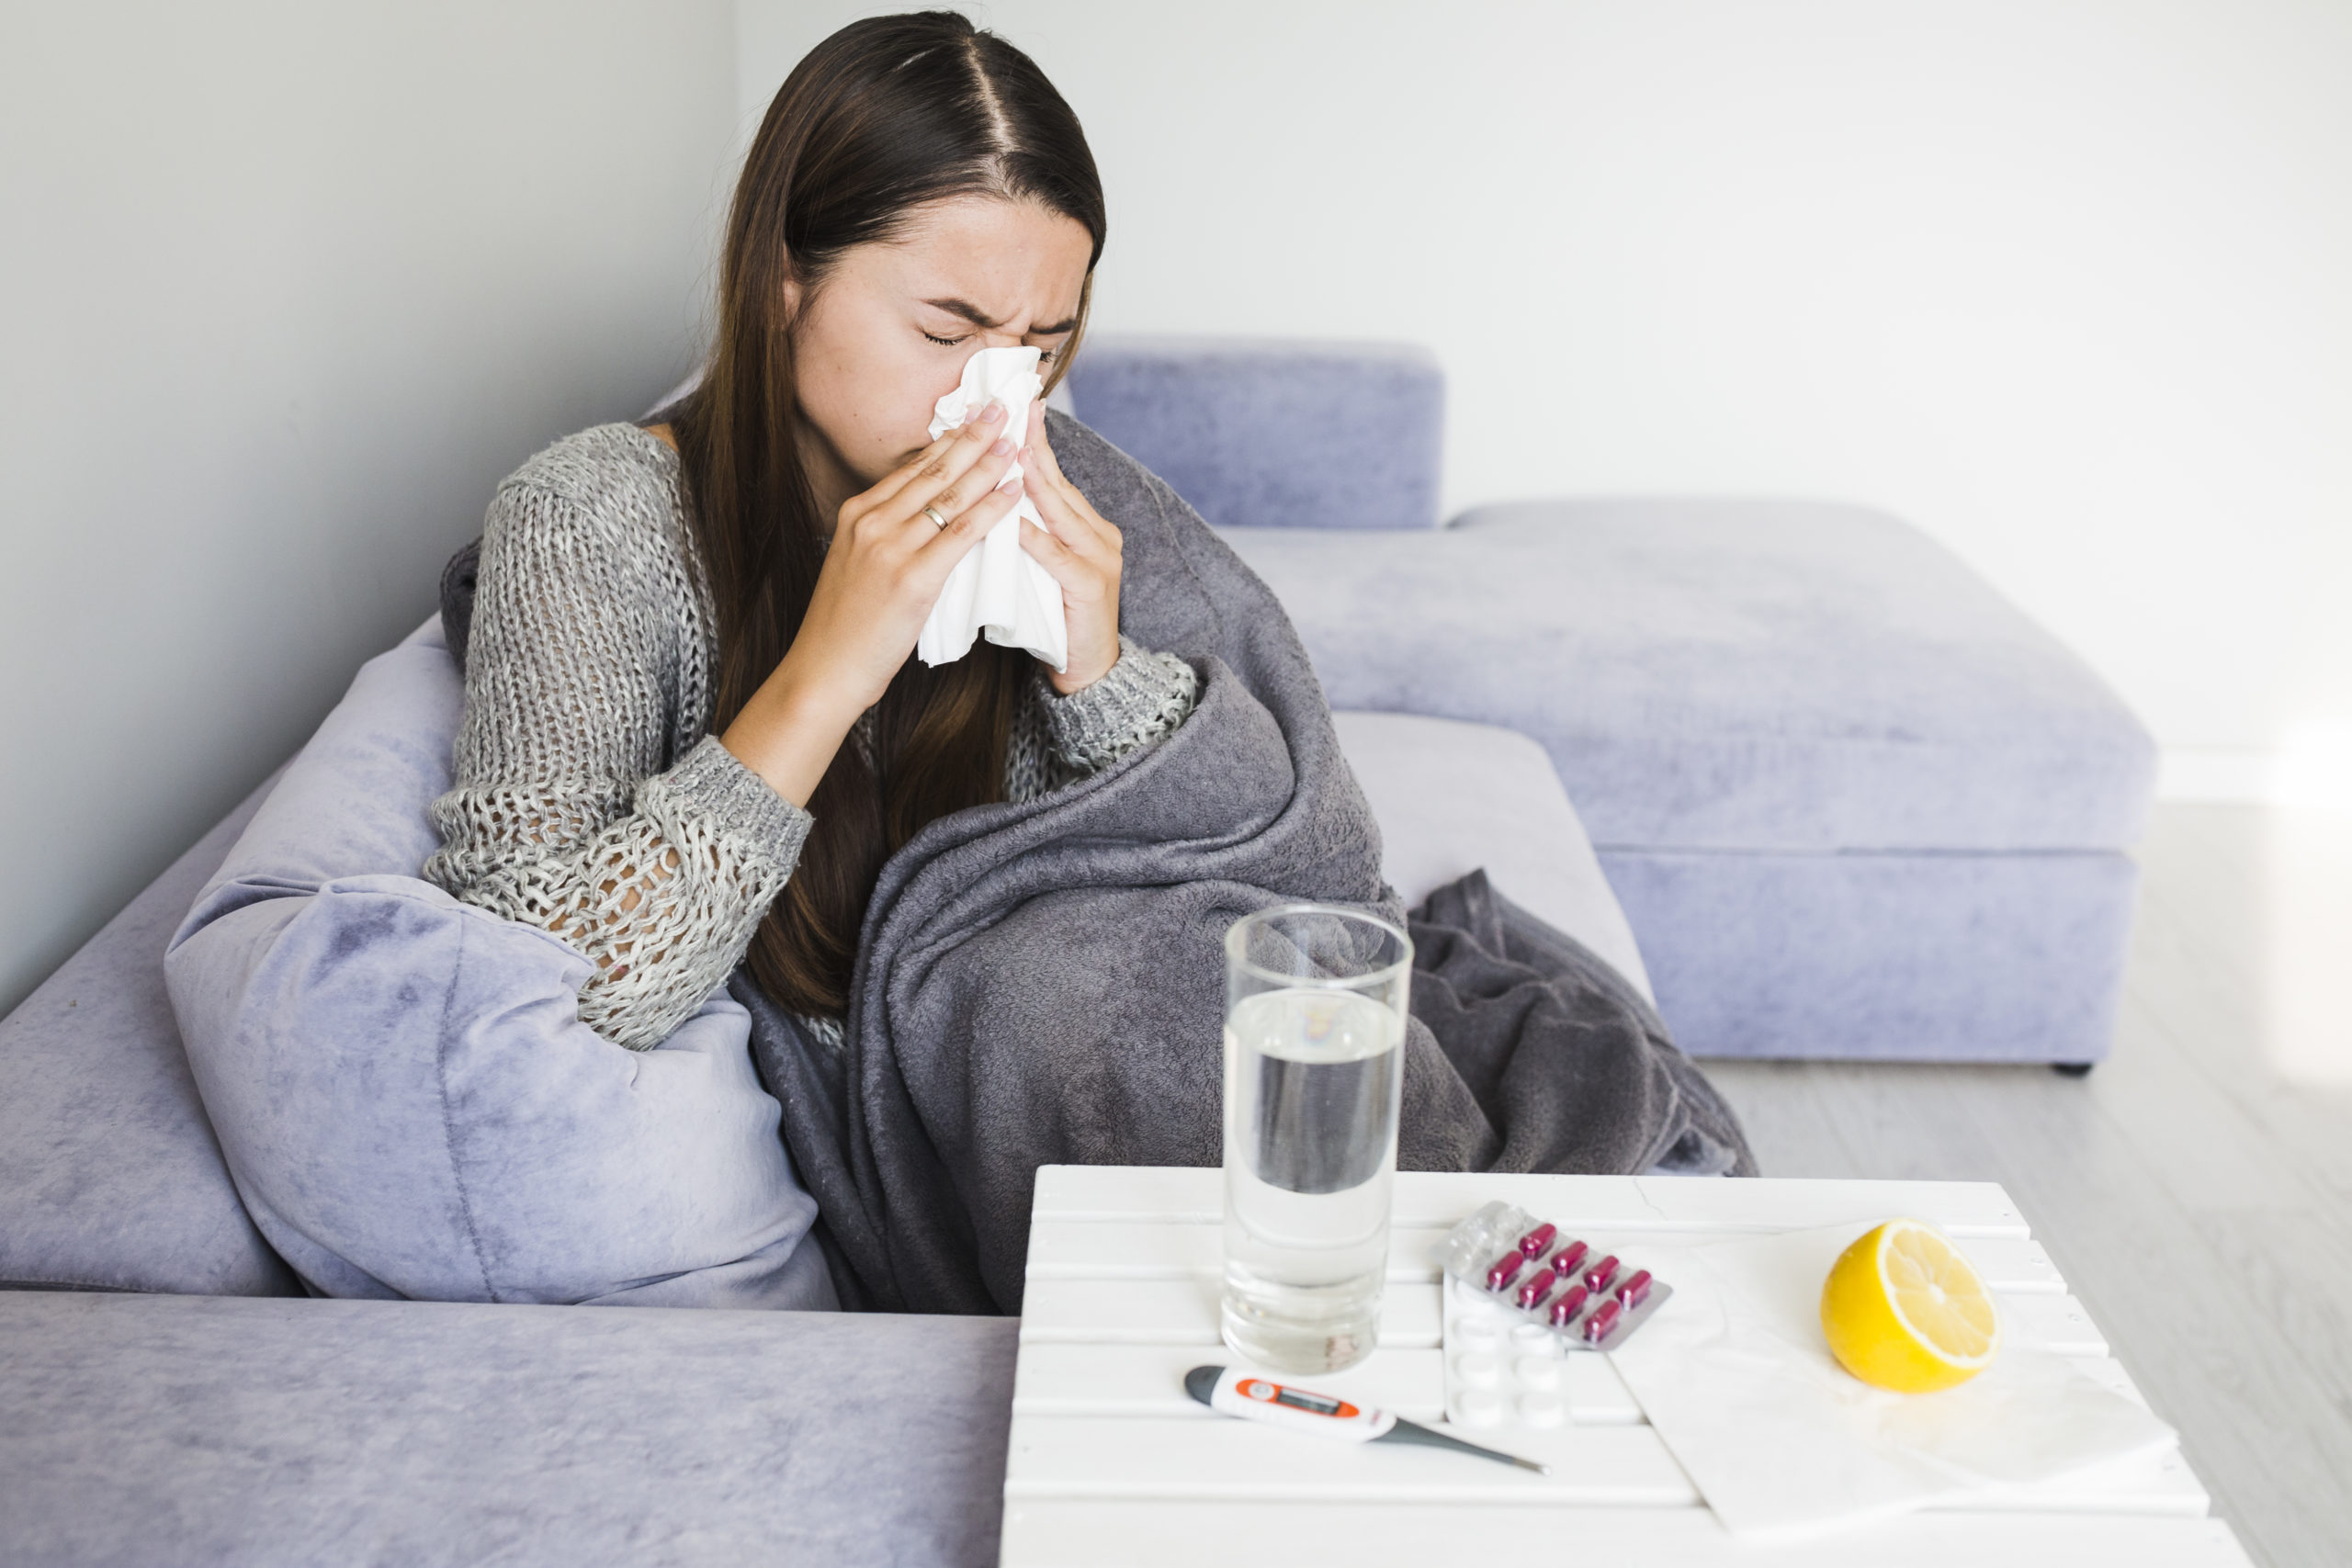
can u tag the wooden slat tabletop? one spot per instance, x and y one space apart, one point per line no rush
1111 1463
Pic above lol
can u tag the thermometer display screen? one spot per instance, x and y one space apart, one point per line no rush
1265 1391
1315 1401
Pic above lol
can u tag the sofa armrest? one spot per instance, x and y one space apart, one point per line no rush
110 1177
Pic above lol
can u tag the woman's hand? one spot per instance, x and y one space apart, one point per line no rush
889 558
1079 549
883 572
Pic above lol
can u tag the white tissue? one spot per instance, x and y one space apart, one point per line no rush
1736 1380
997 590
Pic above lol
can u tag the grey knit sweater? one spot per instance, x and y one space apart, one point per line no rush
589 797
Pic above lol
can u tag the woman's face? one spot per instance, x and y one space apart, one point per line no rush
886 331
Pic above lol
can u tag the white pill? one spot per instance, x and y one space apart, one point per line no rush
1479 1408
1533 1338
1538 1371
1542 1409
1475 1368
1476 1333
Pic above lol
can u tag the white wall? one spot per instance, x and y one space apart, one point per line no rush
285 289
2067 283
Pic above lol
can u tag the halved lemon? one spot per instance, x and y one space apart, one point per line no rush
1904 1310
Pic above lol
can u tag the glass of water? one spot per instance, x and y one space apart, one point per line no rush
1314 1001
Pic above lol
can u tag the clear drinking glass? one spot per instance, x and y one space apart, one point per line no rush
1314 1002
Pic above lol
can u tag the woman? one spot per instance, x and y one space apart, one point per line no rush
692 723
982 903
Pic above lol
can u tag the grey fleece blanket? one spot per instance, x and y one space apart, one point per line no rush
1043 982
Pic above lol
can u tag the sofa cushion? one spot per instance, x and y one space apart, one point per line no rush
1271 432
110 1179
1453 797
405 1096
253 1433
1729 674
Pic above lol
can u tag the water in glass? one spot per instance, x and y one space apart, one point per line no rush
1312 1077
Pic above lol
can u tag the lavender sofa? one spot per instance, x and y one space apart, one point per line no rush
1850 801
161 1398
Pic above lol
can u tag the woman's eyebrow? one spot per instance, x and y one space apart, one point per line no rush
981 318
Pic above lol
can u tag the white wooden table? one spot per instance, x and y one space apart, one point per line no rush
1112 1464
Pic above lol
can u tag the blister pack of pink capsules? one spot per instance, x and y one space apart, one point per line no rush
1589 1298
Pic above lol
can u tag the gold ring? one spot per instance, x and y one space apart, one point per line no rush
935 514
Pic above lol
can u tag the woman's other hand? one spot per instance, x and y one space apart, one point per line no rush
1080 549
884 569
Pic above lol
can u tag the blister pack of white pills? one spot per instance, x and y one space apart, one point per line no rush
1520 1296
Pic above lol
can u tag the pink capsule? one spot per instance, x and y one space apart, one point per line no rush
1564 1310
1538 1286
1604 1318
1599 1274
1505 1269
1533 1244
1564 1261
1634 1292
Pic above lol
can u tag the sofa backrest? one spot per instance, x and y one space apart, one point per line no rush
1274 433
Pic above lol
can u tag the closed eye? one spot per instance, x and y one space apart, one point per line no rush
1045 356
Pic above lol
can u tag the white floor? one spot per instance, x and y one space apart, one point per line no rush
2196 1188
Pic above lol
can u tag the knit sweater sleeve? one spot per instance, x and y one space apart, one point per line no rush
560 814
1141 697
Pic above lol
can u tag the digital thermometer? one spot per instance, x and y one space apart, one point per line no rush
1230 1392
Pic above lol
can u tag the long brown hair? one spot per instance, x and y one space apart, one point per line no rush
885 115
